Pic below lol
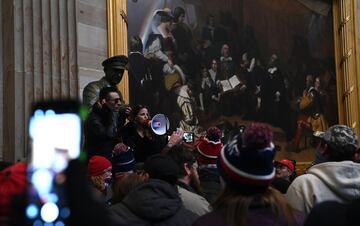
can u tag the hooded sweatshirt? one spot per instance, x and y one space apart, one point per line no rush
153 203
337 181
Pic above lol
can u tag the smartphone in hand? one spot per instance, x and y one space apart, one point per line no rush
55 130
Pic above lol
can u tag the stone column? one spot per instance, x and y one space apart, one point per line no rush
40 63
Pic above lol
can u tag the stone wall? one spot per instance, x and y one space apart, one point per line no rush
51 49
92 40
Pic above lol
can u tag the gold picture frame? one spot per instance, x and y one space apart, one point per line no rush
346 54
117 37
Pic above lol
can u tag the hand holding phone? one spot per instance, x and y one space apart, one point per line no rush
55 134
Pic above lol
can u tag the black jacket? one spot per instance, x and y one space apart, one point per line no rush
143 146
153 203
101 131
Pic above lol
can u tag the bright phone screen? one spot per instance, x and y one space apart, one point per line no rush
56 139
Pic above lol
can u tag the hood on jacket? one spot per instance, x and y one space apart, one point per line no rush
343 178
155 200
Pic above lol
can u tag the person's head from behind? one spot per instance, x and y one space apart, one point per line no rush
209 147
140 115
99 172
246 166
284 169
162 167
136 44
123 187
114 69
123 161
110 97
339 143
246 161
179 15
188 166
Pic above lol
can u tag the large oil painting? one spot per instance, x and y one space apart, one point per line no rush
229 63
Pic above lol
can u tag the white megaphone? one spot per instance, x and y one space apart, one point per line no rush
159 124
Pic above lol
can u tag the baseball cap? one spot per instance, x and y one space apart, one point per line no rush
288 163
338 136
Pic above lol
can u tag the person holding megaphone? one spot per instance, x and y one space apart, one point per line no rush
148 136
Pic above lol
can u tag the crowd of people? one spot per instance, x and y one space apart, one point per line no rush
132 176
148 179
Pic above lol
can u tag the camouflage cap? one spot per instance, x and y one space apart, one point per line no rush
339 136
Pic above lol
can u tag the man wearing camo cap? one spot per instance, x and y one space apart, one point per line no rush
336 179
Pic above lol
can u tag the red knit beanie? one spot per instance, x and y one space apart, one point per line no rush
97 165
208 151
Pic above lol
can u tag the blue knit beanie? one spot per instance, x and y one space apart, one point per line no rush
247 161
122 159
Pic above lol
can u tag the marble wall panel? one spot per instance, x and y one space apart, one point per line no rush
41 63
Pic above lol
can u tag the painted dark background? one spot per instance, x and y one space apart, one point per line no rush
299 32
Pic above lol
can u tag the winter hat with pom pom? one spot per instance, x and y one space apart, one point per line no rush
247 161
209 147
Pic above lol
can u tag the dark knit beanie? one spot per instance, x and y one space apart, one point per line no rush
213 134
162 167
122 159
247 161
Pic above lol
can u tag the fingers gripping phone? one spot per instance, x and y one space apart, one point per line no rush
55 135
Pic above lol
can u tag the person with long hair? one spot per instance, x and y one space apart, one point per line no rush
138 135
126 185
246 166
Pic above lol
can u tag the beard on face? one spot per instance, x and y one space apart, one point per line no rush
195 184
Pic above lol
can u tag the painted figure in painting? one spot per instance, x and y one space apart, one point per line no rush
183 38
